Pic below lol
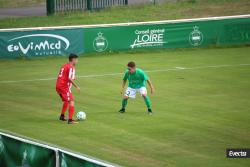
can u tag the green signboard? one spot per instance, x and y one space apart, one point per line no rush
41 43
14 153
178 34
168 35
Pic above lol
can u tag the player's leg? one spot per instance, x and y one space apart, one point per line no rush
124 104
71 108
143 92
64 109
65 104
148 103
128 93
71 111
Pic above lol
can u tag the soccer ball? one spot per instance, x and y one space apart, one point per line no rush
81 115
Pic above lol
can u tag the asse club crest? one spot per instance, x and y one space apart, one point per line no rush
196 37
100 43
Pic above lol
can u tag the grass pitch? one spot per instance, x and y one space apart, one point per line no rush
199 111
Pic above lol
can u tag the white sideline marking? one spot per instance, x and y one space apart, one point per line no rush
114 74
180 68
127 24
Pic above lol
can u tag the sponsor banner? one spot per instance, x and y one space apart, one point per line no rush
203 33
14 153
41 43
67 160
168 35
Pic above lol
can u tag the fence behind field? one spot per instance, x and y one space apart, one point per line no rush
97 4
55 6
72 5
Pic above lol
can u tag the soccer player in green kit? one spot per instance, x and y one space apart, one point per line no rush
137 79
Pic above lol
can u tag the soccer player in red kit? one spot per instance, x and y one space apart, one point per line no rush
64 82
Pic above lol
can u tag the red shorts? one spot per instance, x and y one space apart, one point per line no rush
65 94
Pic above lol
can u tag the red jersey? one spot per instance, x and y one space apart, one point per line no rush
67 72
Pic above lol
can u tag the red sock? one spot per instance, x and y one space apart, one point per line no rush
64 108
71 112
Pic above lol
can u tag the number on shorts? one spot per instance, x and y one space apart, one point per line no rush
128 93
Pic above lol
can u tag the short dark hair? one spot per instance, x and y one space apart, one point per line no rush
72 56
131 64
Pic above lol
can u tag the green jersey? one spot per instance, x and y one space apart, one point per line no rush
137 79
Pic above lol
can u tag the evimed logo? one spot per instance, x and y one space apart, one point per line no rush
148 38
39 44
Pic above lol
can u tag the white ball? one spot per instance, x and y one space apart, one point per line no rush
81 115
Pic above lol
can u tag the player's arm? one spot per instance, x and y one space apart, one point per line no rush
151 86
124 81
123 85
74 84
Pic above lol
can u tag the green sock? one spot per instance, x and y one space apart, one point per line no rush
147 101
124 103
